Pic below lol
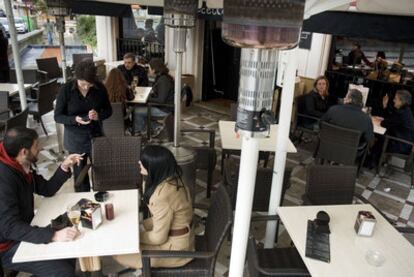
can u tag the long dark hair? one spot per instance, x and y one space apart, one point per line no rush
160 164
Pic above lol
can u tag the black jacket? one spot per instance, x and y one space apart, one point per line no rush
400 124
70 103
163 91
351 117
16 204
315 105
137 70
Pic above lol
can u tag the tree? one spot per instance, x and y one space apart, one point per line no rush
86 29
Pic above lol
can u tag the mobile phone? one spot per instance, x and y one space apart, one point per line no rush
85 118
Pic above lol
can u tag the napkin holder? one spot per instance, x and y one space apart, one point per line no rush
365 224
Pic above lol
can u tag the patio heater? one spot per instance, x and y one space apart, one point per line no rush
260 28
59 9
180 15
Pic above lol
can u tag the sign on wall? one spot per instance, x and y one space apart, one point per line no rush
305 41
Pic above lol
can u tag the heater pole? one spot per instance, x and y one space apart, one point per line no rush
245 191
16 54
177 84
281 145
61 29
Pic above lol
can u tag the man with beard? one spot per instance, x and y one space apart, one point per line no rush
130 69
18 152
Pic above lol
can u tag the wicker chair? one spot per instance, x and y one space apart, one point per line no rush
207 246
77 58
51 66
30 76
328 185
44 103
114 163
4 105
408 158
19 120
340 145
300 118
282 262
114 126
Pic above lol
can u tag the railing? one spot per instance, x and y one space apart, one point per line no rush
147 50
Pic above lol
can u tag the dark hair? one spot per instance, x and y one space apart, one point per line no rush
357 45
19 138
129 56
405 97
86 70
158 66
356 97
160 164
381 54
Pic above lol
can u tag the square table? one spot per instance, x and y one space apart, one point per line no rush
112 237
12 88
231 141
348 250
141 95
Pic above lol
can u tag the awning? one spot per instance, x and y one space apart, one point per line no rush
362 25
99 8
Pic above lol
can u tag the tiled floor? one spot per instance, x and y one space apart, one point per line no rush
391 194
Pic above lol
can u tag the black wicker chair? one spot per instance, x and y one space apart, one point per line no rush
282 262
218 222
30 76
51 66
408 158
114 163
340 145
4 105
44 103
114 126
300 119
19 120
328 185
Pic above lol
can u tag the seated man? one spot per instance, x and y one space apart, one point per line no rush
131 69
18 182
351 116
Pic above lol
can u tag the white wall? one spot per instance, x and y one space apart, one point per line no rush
313 62
106 34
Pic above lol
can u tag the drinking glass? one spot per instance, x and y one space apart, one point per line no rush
74 214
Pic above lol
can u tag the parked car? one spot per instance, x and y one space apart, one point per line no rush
20 25
2 13
5 25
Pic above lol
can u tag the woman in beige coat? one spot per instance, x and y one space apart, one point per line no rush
170 205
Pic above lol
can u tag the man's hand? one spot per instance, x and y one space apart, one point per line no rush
80 121
71 160
66 234
93 115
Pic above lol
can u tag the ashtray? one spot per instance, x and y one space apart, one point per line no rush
101 196
375 258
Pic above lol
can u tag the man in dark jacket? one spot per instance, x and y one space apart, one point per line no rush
131 69
351 116
18 182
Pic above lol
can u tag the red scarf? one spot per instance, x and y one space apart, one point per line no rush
9 161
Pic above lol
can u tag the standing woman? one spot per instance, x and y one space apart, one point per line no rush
162 92
170 205
81 105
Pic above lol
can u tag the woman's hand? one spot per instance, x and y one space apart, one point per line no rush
80 121
93 115
385 101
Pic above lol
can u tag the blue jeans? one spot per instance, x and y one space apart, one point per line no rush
50 38
140 117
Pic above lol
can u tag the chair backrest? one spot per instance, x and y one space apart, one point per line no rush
77 58
219 220
114 126
328 185
51 66
338 144
30 76
4 104
47 94
19 120
115 163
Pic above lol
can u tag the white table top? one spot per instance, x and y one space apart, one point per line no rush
113 64
347 249
378 129
141 95
232 141
114 237
13 89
